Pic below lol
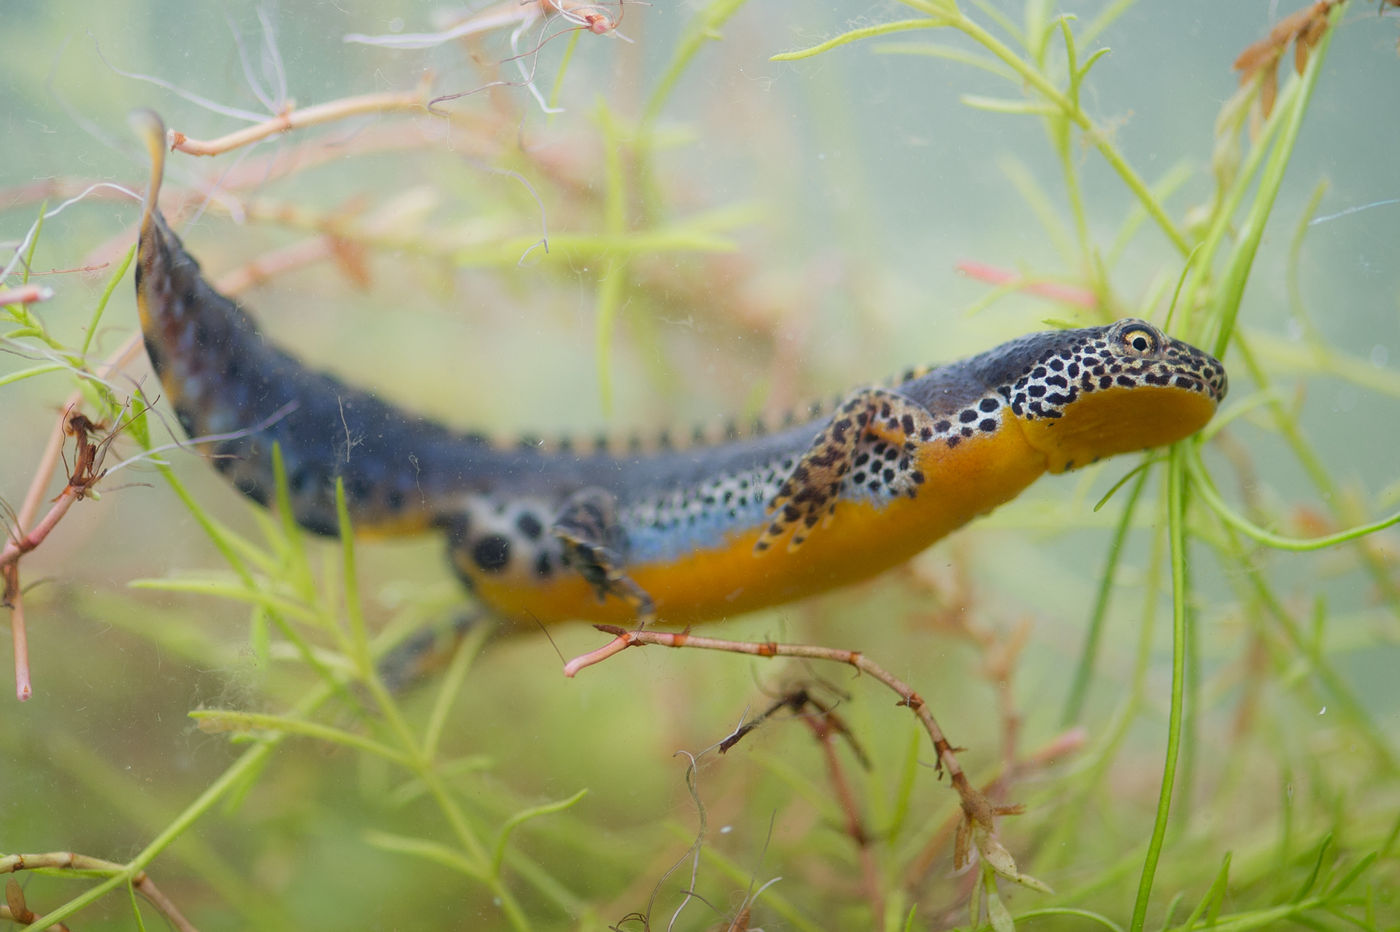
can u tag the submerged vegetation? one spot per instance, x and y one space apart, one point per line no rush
1172 682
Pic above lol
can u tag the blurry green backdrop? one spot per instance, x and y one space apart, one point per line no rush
782 230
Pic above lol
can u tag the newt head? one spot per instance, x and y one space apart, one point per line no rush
1115 389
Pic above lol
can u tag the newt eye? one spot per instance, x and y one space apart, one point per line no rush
1140 341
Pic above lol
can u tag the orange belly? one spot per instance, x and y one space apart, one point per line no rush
862 539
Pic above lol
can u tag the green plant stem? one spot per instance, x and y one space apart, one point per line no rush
943 13
1166 185
145 811
1310 651
1103 20
1085 914
1312 464
1293 269
1084 670
564 60
227 719
1239 522
1095 134
703 28
21 374
1092 788
358 641
1201 263
1062 140
1272 918
864 32
1226 304
1176 531
452 682
249 763
426 770
97 312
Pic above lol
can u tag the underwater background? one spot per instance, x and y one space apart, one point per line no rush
679 230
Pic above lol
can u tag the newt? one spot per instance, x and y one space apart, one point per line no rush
589 531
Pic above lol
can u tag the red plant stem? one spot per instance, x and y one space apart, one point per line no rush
26 294
1069 294
22 541
977 810
414 101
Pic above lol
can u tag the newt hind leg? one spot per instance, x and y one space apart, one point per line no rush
595 546
427 651
870 443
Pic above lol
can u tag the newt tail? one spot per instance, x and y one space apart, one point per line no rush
226 381
574 532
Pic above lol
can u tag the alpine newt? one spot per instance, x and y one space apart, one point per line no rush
679 535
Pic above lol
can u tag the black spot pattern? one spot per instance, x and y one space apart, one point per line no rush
1128 354
1036 378
492 553
529 525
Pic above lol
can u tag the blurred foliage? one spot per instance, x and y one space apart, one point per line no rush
681 227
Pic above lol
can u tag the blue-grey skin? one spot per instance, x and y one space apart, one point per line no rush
498 503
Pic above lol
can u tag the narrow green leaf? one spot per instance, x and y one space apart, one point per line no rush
1210 903
855 35
520 818
1311 880
1201 483
1351 876
227 589
34 243
948 53
1007 105
1050 911
231 720
20 375
1176 532
112 281
427 850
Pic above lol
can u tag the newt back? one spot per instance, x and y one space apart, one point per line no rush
563 532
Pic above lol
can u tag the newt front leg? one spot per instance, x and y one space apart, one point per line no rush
876 430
